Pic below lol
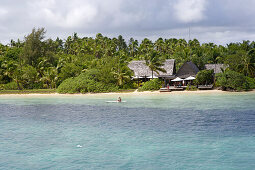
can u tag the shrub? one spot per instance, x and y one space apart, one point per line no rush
1 86
204 77
66 86
191 88
130 85
154 84
86 82
10 86
231 80
251 82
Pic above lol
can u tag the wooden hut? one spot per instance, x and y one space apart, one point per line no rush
143 72
170 68
140 69
187 69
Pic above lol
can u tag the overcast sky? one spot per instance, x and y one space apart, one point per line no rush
218 21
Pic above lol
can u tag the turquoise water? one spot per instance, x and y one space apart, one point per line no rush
169 131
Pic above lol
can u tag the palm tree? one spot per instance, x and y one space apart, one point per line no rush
50 77
121 43
121 72
241 58
133 46
12 70
154 62
121 75
247 65
159 45
145 47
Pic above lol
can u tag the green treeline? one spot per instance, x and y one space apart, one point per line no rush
85 64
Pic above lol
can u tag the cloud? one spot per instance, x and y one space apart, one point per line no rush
64 14
3 12
217 35
76 17
188 11
130 18
225 35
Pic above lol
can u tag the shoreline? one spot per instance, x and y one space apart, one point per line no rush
132 93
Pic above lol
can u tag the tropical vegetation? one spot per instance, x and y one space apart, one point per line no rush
231 80
204 77
85 64
153 84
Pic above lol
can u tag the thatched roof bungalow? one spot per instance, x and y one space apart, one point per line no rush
187 69
141 70
217 68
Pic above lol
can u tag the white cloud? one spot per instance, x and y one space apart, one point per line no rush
3 12
64 14
188 11
75 17
226 36
222 20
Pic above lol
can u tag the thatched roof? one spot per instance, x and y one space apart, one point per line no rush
142 70
215 67
187 69
169 66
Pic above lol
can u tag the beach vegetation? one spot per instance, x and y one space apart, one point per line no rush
204 77
10 86
153 84
231 80
85 64
191 88
89 81
154 61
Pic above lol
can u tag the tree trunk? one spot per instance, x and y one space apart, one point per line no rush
133 50
152 74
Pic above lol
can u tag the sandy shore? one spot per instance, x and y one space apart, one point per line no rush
133 93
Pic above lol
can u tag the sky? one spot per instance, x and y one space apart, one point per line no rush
217 21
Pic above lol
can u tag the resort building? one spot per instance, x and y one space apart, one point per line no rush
143 72
185 74
172 79
187 69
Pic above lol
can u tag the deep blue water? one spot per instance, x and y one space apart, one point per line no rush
170 131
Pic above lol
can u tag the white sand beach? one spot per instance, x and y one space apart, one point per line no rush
131 93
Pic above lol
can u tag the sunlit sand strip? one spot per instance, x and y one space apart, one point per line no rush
131 93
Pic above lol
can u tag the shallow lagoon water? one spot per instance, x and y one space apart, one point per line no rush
168 131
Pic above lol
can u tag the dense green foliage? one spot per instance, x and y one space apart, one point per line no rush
10 86
191 88
231 80
154 61
251 82
154 84
204 77
37 62
89 81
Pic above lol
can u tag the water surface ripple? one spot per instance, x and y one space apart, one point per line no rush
212 131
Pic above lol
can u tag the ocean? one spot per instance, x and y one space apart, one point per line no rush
166 131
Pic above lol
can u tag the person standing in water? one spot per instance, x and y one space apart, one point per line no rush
119 99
